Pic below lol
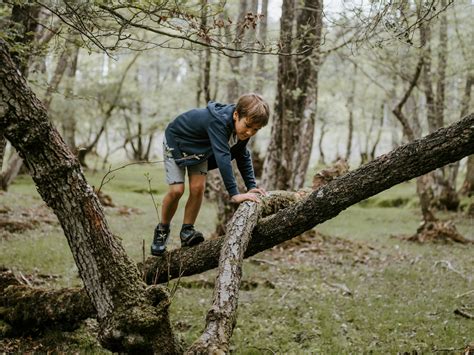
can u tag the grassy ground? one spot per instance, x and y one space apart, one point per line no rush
353 288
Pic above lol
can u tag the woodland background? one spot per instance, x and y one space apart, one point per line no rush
346 82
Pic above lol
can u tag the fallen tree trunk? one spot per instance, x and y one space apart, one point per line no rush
27 309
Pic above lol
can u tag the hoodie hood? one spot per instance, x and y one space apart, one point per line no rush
221 111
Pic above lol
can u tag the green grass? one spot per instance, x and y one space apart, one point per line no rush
402 295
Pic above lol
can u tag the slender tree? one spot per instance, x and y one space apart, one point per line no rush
288 153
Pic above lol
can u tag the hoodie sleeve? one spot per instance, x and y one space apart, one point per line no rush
220 147
244 163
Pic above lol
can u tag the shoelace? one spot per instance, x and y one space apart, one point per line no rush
160 237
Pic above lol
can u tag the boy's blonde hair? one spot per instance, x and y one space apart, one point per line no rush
254 107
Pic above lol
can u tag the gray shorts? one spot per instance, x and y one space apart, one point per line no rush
174 173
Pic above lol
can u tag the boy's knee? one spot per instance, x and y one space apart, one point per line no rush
176 191
197 189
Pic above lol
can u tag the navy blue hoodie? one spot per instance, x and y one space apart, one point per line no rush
203 134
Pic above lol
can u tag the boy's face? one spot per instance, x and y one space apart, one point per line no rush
243 128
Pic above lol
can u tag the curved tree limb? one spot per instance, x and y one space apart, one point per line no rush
221 318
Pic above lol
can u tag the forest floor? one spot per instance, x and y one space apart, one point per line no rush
351 285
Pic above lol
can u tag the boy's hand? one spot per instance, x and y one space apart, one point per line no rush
257 190
245 197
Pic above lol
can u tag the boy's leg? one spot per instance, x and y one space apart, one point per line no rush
170 202
168 209
175 180
197 184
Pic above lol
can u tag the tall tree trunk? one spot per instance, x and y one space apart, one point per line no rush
69 119
250 37
66 61
468 184
259 74
204 76
322 160
293 124
350 108
262 39
379 134
25 17
132 318
444 194
233 86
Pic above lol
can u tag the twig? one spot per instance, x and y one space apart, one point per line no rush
465 294
155 204
286 293
463 313
23 278
262 349
104 181
450 267
263 261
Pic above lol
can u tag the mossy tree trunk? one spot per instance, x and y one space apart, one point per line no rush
131 317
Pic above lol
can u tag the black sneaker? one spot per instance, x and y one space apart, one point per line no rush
160 238
189 236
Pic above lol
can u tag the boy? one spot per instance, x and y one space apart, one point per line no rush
200 140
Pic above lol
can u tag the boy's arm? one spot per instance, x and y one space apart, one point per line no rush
244 163
218 137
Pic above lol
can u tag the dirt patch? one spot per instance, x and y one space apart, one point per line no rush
21 219
314 247
11 277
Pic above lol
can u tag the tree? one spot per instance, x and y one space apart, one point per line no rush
291 140
132 318
24 17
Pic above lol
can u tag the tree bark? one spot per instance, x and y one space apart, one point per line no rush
131 317
378 135
443 194
24 16
350 108
233 86
69 119
323 130
468 184
13 168
262 39
204 77
287 160
222 316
